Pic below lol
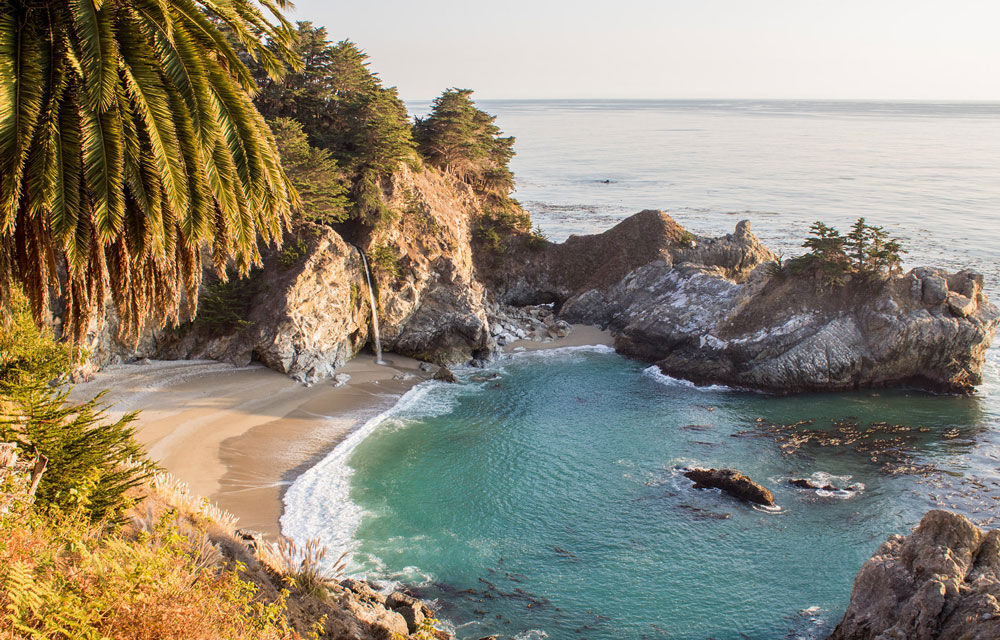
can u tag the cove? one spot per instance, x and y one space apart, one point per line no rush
547 502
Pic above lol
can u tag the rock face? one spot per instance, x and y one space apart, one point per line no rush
940 583
432 305
305 313
710 310
714 310
732 482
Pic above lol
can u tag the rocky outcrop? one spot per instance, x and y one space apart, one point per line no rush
303 313
794 333
710 310
940 583
719 310
732 482
432 305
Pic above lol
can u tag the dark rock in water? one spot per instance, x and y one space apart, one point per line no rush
802 483
426 366
444 374
940 583
732 482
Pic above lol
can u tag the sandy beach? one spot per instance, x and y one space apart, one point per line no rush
240 435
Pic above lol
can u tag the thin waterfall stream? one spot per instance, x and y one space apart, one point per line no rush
371 297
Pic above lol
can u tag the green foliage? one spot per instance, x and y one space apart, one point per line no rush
867 251
314 174
225 305
465 141
500 222
127 139
355 296
343 109
369 202
776 267
292 253
871 250
686 238
90 459
27 353
537 239
384 260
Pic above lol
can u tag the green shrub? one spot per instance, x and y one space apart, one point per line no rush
499 222
383 260
91 460
537 239
292 253
686 238
225 305
65 577
867 251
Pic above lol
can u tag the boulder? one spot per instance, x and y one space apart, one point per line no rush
444 374
413 610
934 290
732 482
940 583
304 318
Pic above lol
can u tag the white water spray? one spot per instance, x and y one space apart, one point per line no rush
371 297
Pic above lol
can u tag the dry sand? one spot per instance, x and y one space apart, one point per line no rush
240 435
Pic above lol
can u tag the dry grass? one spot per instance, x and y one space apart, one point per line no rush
302 566
64 577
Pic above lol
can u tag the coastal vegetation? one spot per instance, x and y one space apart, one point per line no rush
866 251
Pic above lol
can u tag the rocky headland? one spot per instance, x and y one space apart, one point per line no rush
709 310
942 582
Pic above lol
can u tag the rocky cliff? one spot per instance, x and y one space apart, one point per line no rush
711 310
718 310
940 583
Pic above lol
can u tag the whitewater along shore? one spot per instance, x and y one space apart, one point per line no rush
241 435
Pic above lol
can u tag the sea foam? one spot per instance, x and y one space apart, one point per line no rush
318 504
654 373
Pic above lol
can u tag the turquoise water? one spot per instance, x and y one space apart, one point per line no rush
548 500
547 503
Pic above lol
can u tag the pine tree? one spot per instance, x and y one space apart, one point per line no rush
465 141
92 461
344 109
314 174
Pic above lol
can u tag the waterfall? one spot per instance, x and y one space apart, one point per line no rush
371 297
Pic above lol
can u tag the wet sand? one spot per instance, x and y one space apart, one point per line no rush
240 435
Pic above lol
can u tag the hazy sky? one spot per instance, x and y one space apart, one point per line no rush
893 49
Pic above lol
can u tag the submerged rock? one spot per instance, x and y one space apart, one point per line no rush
732 482
942 582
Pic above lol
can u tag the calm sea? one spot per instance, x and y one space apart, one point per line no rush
547 503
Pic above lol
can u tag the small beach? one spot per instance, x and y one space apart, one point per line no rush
241 435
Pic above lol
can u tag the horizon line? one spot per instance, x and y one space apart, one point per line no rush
706 99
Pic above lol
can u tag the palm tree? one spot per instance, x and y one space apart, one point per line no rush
128 142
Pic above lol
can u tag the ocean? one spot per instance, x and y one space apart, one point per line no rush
549 503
